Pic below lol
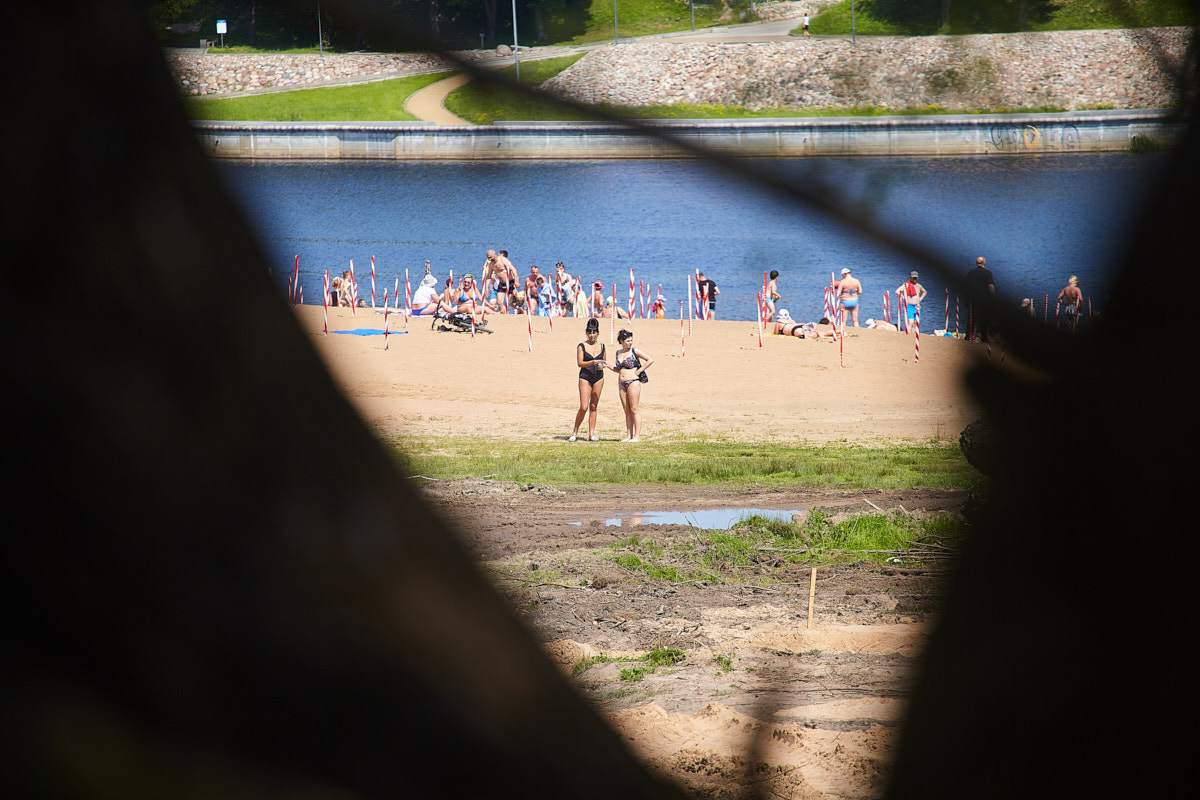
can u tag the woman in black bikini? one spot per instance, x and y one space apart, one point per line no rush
591 379
630 367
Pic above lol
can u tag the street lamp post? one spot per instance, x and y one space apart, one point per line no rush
516 47
616 37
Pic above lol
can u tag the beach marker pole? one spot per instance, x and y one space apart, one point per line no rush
296 279
612 319
373 282
301 295
760 319
291 291
689 297
917 336
385 324
325 302
956 309
887 308
682 339
840 328
472 317
1046 308
902 314
529 322
947 308
631 306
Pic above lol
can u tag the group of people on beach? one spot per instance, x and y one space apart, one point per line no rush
502 290
979 284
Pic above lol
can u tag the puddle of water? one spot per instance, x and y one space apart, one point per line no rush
717 518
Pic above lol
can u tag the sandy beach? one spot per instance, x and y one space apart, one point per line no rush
717 382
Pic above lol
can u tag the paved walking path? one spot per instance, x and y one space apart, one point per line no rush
428 104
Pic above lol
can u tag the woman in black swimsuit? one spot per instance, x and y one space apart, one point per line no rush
591 379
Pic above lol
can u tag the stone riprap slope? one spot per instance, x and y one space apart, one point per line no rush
1122 69
211 74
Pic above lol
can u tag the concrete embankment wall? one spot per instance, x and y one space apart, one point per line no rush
1081 131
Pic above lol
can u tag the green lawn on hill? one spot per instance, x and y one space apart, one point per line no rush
901 18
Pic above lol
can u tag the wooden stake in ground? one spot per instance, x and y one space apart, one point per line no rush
812 592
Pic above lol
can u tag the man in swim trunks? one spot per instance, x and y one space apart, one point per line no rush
911 294
499 268
849 290
708 289
1071 300
531 285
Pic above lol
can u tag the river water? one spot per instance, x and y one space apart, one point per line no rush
1037 219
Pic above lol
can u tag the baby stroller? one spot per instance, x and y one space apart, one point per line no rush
456 321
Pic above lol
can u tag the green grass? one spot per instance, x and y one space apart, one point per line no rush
483 106
379 101
634 18
247 50
646 664
765 550
1066 15
689 461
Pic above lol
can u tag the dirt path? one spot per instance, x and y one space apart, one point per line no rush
428 104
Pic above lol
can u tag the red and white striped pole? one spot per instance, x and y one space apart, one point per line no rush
295 279
472 317
353 291
529 321
326 302
760 319
373 282
301 295
630 294
902 313
689 297
682 338
947 308
957 303
612 318
887 308
917 335
1046 308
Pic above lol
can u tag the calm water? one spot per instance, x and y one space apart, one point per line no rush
1037 219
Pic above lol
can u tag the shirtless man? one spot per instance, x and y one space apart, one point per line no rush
849 290
911 294
1071 300
499 268
531 281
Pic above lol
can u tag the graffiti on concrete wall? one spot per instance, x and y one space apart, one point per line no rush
1008 138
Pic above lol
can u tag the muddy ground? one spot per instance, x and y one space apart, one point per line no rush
759 698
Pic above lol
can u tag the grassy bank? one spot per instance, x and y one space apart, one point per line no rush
872 18
382 101
561 463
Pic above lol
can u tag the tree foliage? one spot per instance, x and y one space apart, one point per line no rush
280 24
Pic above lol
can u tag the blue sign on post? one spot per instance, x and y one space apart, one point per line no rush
221 28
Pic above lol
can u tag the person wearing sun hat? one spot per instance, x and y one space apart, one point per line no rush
911 294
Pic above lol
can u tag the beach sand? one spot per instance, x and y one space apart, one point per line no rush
869 390
836 688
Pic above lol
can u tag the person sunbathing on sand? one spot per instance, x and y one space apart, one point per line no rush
784 325
425 300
